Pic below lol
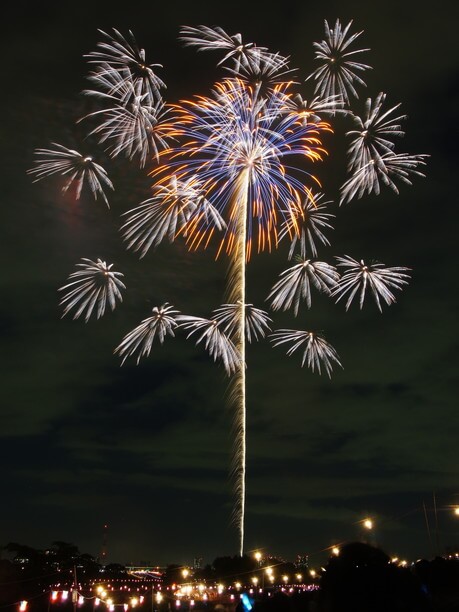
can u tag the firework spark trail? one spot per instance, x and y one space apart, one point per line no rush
237 293
221 173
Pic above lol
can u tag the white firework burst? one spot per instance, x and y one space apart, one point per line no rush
370 139
359 278
337 76
95 286
382 170
295 284
119 58
78 169
160 324
133 129
317 352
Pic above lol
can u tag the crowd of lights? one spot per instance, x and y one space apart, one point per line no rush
185 595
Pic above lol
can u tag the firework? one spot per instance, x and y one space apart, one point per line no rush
236 144
360 277
119 59
370 138
78 169
160 324
242 55
381 171
295 284
95 285
336 76
133 129
317 352
232 171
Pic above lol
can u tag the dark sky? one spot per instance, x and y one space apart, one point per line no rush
147 449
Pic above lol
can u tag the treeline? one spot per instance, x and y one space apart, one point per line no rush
26 572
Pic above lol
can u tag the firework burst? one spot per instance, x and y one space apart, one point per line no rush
78 169
337 74
317 352
95 286
160 324
233 172
359 278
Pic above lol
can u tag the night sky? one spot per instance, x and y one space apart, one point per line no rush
147 449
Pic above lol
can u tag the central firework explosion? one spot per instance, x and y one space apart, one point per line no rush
233 173
232 152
